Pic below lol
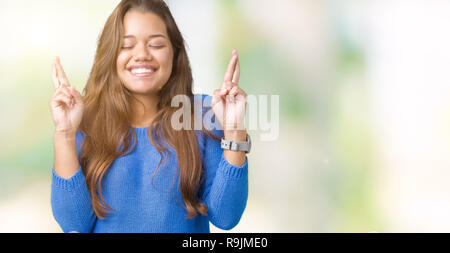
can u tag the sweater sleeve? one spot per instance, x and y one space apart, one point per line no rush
225 189
71 200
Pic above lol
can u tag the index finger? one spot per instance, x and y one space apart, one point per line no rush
237 73
60 73
230 69
56 83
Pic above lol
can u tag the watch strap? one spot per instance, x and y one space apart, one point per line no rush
237 145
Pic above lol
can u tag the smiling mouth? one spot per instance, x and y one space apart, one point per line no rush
142 72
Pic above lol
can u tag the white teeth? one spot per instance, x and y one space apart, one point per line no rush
141 71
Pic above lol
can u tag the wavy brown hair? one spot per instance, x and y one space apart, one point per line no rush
106 118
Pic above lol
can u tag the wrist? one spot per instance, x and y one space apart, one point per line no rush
65 135
235 135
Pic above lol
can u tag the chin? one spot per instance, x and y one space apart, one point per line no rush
142 88
141 91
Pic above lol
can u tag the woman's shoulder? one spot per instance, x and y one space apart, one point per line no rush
80 135
208 116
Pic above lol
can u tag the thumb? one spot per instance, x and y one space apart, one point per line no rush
75 94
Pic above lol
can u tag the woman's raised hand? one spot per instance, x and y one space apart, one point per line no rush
66 104
229 101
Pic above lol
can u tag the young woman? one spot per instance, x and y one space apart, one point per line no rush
120 166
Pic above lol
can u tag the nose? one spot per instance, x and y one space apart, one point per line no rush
143 53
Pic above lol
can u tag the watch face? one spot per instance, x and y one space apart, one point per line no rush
225 144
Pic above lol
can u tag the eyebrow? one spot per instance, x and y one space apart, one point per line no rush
151 36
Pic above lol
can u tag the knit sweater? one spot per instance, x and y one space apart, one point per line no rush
145 201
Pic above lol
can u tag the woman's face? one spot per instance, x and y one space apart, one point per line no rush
144 64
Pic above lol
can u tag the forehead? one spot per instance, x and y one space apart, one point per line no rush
143 24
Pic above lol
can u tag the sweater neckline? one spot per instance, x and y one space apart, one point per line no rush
140 128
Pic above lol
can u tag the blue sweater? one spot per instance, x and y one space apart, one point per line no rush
147 203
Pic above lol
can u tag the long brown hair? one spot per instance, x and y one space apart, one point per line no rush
106 118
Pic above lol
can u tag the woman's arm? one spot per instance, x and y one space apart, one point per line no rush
65 152
236 158
70 198
225 190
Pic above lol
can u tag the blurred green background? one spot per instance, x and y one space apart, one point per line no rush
364 140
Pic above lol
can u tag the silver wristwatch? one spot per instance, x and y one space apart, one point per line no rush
237 145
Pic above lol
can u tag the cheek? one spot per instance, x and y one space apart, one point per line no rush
121 62
122 59
165 59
